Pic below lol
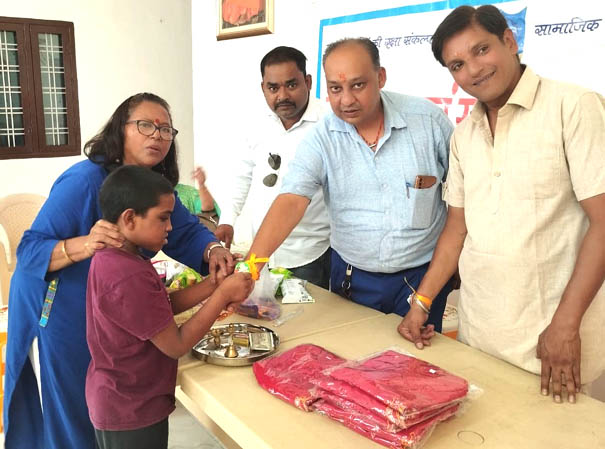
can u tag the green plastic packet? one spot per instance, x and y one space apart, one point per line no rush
186 278
285 273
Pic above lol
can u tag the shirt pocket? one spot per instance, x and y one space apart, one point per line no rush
539 168
423 203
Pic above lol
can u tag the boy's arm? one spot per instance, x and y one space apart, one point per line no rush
188 297
176 342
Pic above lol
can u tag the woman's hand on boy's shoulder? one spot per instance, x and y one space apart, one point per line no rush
102 235
236 288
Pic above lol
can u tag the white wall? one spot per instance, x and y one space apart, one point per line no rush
226 77
122 47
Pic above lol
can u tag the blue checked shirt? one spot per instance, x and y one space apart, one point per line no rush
379 222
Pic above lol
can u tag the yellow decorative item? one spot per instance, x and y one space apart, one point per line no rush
249 266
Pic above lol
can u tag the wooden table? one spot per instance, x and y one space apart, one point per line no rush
510 413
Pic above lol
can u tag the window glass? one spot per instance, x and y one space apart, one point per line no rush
52 73
12 132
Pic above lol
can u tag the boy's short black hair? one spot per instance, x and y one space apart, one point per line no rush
131 187
487 17
283 54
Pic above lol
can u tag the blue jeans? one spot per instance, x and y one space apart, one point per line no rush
316 272
386 292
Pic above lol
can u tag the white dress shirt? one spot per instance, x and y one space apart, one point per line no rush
311 237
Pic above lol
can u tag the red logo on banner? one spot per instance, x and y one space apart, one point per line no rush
446 102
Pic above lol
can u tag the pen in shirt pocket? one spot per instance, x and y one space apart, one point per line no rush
407 188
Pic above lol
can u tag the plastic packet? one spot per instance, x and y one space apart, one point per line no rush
287 375
288 316
313 379
357 420
342 393
176 275
294 292
391 397
186 278
284 274
261 303
406 384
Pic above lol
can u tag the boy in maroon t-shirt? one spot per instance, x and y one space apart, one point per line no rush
133 339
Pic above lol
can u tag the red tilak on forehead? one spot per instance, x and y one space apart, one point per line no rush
342 76
156 121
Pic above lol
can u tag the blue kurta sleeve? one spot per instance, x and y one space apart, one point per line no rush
188 238
70 211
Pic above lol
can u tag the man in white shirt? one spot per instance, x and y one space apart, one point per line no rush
270 147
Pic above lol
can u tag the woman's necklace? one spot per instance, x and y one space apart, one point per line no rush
373 144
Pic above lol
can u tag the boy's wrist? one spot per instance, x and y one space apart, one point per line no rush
220 297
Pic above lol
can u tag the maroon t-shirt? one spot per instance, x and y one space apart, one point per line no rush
130 383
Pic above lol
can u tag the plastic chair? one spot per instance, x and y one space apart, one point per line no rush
17 213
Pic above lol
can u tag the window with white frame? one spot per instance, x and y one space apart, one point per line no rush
38 89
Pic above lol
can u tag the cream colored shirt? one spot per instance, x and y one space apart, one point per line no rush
520 191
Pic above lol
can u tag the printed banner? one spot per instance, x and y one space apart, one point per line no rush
564 42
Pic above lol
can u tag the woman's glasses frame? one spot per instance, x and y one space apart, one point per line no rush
148 129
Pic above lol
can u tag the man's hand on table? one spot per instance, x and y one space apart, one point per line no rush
412 327
220 263
224 233
559 349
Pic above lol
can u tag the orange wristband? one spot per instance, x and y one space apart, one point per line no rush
424 300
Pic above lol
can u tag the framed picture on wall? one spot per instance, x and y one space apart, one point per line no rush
241 18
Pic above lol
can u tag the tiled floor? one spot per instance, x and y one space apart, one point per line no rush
187 433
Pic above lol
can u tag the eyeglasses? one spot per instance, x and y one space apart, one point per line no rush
274 162
148 129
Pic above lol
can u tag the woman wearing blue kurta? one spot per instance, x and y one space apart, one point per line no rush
47 296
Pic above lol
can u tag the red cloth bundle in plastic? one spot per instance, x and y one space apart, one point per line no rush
370 419
406 384
410 438
288 375
339 390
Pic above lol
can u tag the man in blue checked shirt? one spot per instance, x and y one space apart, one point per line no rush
380 158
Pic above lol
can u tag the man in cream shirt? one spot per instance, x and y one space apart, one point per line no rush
526 196
264 162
